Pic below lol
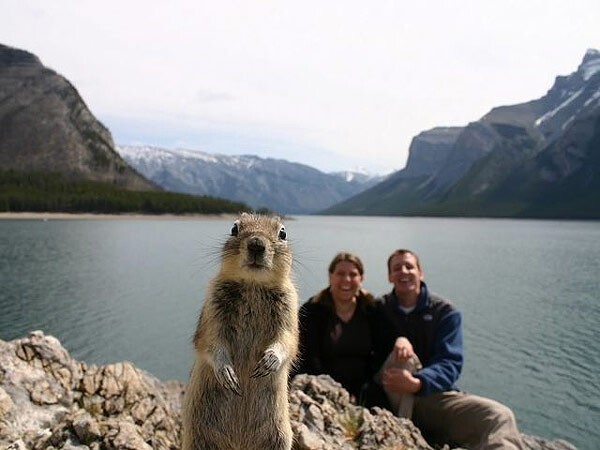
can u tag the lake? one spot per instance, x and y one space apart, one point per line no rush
529 291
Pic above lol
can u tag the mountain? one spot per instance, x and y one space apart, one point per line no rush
45 126
281 186
535 159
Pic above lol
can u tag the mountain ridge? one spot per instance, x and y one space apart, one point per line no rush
68 139
475 175
275 184
538 158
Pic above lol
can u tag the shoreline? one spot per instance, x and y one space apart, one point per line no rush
45 216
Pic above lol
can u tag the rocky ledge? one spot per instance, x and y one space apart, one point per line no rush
48 400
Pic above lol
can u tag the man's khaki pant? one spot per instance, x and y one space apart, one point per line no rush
456 417
469 420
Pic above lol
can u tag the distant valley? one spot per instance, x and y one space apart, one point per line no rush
263 183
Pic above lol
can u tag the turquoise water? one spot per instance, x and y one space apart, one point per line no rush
529 291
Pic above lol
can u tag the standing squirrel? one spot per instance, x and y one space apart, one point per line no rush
245 342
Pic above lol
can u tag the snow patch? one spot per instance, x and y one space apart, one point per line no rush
567 123
589 69
193 154
552 113
596 96
156 153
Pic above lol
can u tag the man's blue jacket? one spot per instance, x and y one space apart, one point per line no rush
434 328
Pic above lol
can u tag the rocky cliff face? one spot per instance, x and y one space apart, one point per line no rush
563 179
49 400
478 175
46 126
429 149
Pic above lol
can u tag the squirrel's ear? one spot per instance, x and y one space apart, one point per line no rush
235 229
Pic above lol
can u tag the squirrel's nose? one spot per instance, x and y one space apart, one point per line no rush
256 246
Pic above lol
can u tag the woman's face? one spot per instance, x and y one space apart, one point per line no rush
345 281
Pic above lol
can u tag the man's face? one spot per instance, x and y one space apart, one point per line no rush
405 275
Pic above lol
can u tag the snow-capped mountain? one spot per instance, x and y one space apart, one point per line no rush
279 185
540 158
570 96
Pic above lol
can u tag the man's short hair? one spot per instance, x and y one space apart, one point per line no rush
403 251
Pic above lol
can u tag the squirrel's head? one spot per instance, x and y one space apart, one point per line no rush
257 250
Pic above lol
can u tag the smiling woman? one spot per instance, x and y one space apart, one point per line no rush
344 284
342 332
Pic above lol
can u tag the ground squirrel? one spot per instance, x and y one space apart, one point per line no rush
245 342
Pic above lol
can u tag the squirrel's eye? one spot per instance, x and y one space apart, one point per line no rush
235 229
282 234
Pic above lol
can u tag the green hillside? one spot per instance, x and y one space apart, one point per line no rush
52 192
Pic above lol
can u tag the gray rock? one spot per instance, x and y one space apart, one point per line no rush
48 400
325 417
64 404
6 403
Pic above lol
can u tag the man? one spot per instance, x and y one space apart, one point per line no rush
429 330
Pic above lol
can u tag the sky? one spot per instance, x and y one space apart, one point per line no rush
338 85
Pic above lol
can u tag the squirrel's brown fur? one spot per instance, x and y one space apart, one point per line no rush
245 342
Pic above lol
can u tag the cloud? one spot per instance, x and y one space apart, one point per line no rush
206 96
339 82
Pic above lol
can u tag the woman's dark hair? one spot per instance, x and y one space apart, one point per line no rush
350 257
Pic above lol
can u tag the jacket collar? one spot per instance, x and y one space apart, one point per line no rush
422 300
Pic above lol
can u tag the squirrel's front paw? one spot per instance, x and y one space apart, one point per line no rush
225 373
269 363
228 379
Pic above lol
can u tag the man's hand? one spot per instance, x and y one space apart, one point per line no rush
403 350
400 381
